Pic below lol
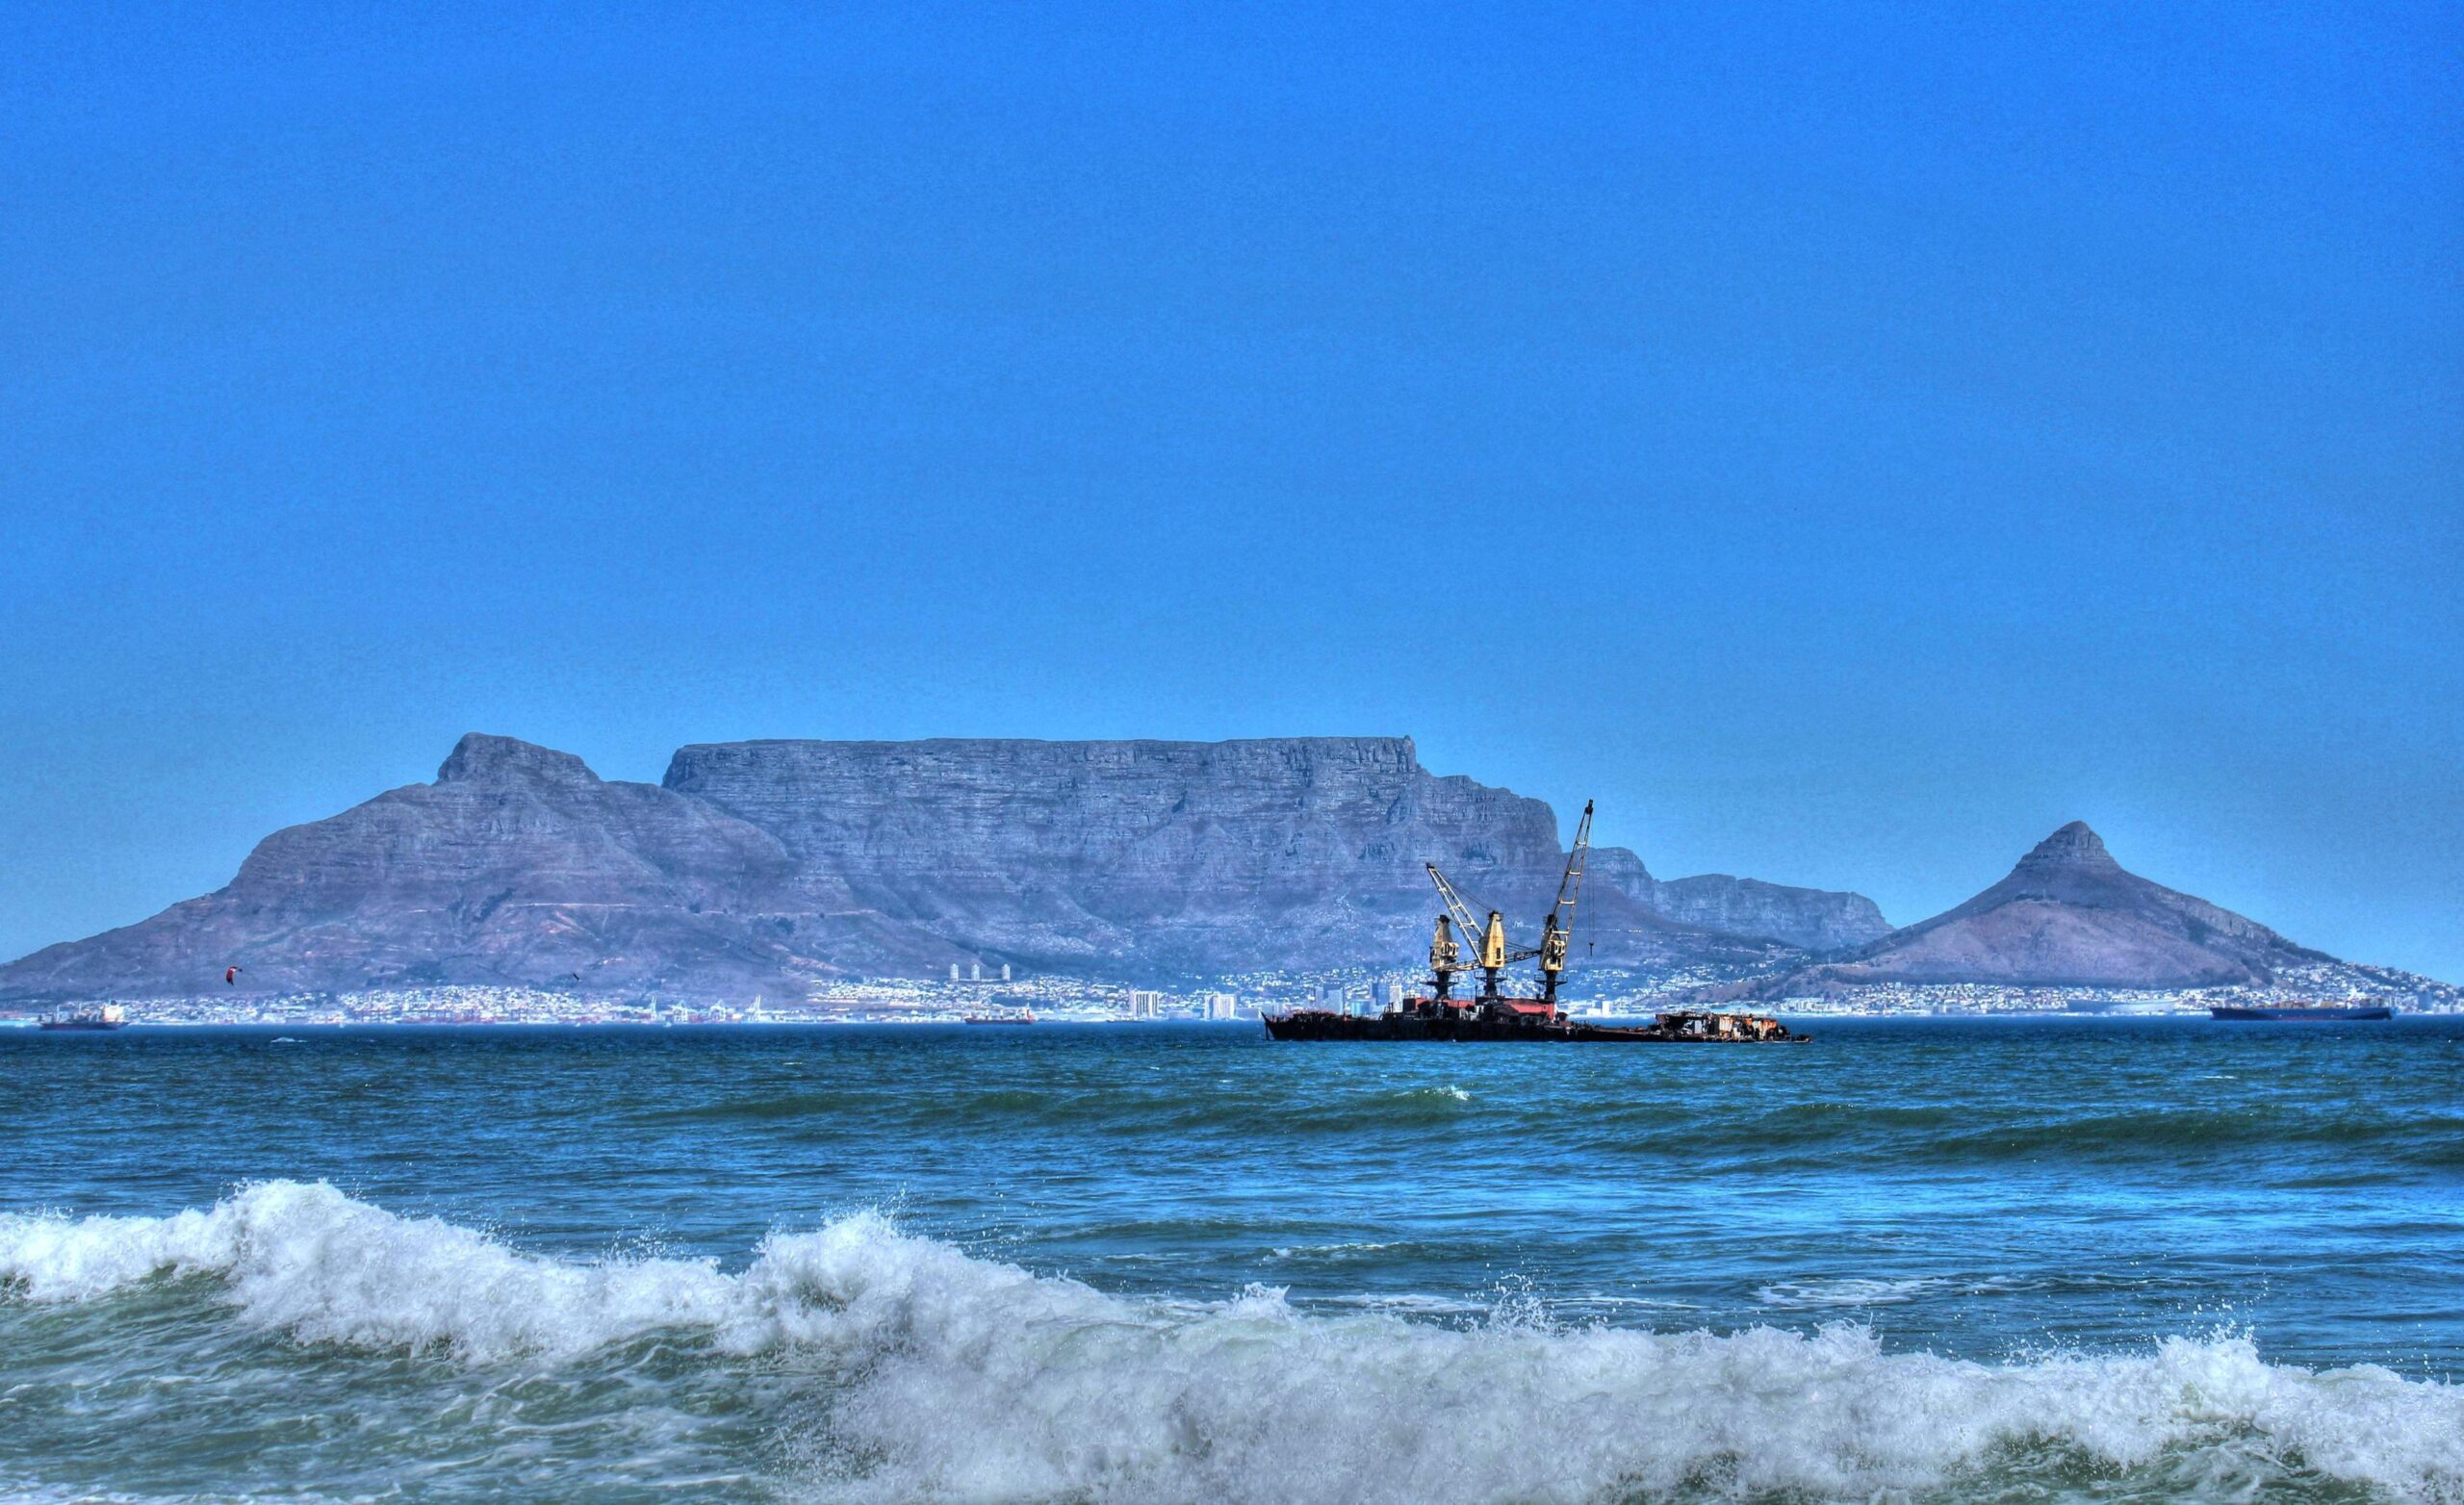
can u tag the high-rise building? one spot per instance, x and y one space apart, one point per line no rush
954 971
1004 972
975 972
1144 1006
1222 1005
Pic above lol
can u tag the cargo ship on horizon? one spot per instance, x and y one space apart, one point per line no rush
2315 1013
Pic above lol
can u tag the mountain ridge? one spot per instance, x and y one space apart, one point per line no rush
762 866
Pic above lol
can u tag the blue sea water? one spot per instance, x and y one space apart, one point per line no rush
1928 1259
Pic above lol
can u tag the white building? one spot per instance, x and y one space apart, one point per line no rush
1222 1005
1144 1006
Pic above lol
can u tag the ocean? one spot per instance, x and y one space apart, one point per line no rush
1922 1259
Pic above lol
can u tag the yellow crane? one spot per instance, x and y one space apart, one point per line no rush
1490 955
1444 957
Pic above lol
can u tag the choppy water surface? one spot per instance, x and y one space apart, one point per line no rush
2088 1259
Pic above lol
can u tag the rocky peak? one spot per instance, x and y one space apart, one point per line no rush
481 758
2073 846
1619 865
2068 916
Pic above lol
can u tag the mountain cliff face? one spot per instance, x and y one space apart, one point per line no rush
2069 915
1207 855
1805 918
758 865
1201 855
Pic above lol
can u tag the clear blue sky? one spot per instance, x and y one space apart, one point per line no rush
1847 442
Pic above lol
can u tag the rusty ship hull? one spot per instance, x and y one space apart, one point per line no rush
1420 1019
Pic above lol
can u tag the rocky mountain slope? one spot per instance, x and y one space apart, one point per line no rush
1805 918
517 865
2068 915
756 865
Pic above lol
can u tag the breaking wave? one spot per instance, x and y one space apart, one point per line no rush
938 1375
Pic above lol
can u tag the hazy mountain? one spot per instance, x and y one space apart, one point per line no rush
759 864
2069 914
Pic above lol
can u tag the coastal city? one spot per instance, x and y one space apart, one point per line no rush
998 998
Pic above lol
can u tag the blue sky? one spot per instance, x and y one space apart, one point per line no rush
1846 442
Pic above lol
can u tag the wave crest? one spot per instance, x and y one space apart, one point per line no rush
948 1375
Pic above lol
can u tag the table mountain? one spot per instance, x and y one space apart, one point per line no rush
757 866
2069 915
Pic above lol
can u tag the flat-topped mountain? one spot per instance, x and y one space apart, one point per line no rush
2069 915
759 866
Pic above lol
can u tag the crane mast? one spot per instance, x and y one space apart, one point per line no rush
1444 957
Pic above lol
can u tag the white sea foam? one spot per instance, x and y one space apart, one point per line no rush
951 1377
1851 1291
1352 1249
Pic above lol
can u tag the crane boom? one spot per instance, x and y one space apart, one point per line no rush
1570 886
1490 953
1558 928
1454 905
